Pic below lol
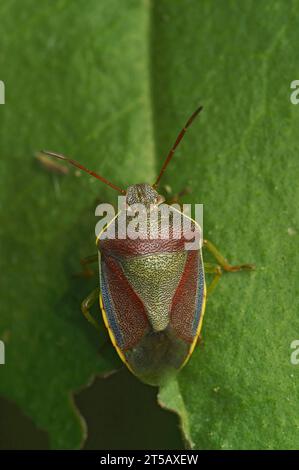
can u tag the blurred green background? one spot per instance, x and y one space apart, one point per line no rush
111 83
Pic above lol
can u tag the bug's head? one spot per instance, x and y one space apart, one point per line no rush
143 193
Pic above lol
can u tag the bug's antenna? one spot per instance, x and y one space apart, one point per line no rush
78 165
178 140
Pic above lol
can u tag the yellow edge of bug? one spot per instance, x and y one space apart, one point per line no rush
203 309
112 337
104 314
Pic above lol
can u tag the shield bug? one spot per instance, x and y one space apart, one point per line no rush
152 290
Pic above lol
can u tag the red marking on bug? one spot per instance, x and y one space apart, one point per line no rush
183 304
128 248
128 307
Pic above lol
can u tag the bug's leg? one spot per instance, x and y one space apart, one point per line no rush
86 270
86 305
223 261
217 271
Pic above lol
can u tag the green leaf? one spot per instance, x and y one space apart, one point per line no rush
239 391
170 398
